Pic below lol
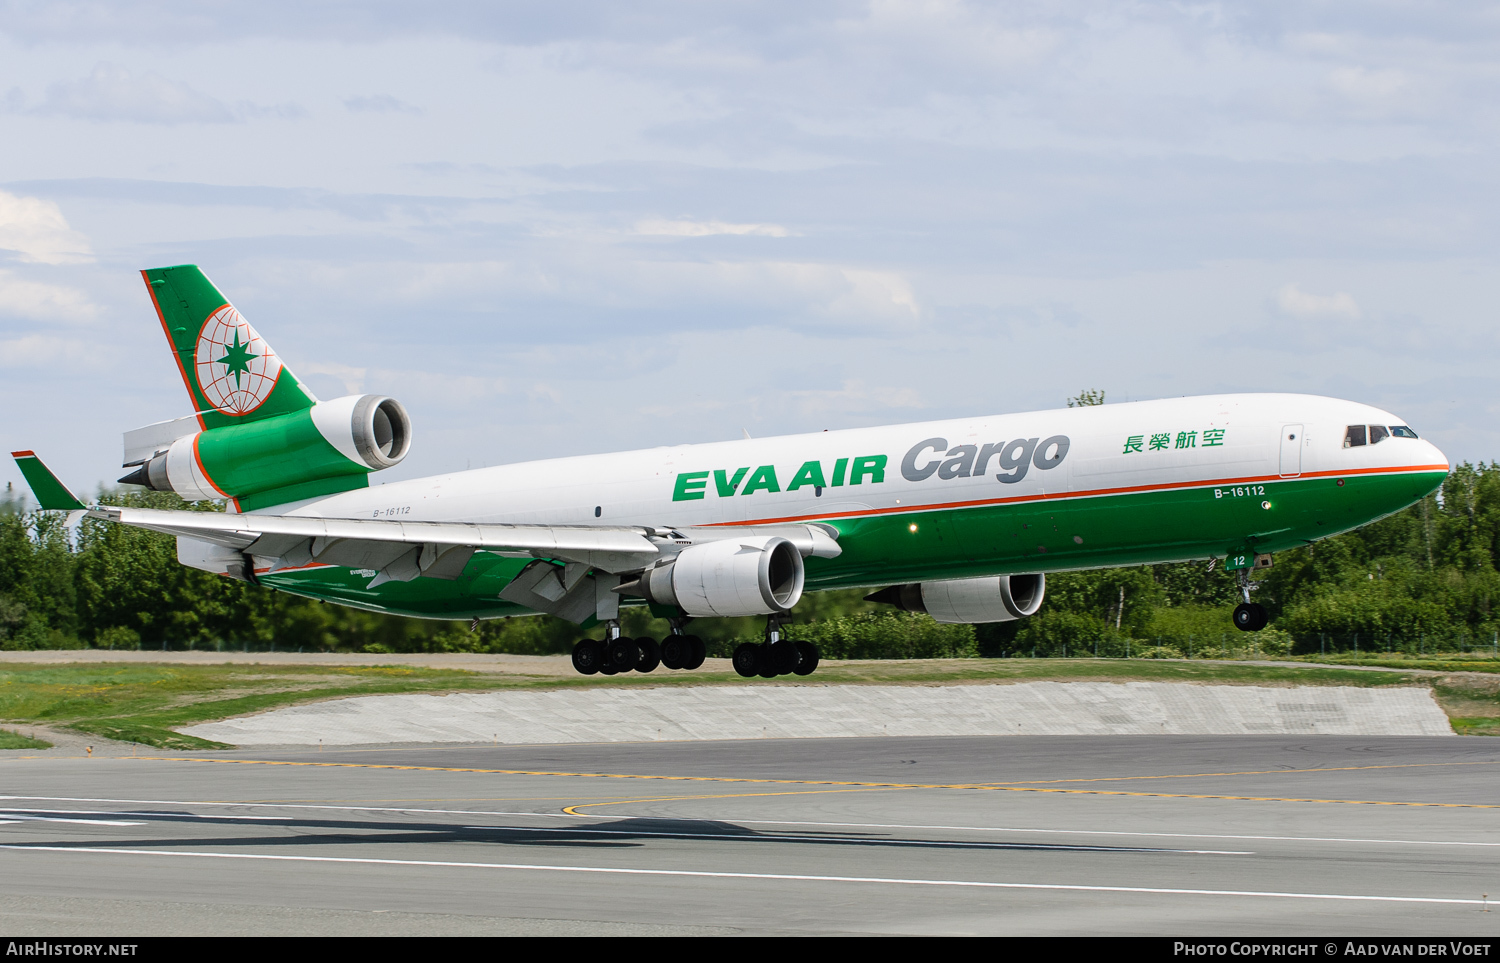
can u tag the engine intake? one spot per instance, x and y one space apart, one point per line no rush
1002 598
371 429
757 575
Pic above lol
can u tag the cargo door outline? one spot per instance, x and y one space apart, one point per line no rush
1291 451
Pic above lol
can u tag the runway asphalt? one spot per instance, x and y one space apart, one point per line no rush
1087 835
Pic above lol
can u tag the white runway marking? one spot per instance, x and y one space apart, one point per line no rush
748 822
50 813
776 877
21 817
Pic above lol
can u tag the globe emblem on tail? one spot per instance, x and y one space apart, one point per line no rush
236 369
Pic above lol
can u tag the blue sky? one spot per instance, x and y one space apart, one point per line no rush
554 229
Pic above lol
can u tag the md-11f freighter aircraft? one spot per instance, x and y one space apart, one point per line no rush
961 519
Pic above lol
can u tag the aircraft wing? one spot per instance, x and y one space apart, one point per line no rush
404 550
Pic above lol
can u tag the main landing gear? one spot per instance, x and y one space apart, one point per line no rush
615 653
1248 616
776 655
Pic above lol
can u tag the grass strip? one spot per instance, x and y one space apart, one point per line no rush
1475 727
14 740
1431 665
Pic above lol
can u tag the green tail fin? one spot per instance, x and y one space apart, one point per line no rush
50 493
231 373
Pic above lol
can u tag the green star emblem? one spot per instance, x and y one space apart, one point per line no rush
237 358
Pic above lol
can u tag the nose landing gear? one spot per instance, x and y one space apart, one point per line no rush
1248 615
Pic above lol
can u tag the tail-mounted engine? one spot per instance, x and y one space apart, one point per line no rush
1003 598
329 447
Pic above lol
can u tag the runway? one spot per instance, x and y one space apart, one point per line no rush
1153 835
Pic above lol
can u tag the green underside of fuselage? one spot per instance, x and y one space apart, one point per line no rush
1049 535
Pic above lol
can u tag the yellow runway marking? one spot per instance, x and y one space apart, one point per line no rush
573 809
1249 772
992 787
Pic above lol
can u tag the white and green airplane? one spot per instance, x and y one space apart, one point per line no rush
961 519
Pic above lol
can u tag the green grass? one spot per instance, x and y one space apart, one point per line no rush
14 740
1446 662
146 703
143 703
1098 670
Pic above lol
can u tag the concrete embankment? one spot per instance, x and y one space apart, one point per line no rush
823 711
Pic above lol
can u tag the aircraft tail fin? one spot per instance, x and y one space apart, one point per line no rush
50 493
231 373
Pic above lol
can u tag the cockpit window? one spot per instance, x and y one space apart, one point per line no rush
1354 436
1401 431
1378 433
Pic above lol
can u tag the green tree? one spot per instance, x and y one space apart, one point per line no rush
1086 398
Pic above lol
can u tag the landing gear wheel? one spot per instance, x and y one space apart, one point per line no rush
650 655
809 660
624 654
676 651
746 660
763 661
782 656
1249 617
588 656
700 652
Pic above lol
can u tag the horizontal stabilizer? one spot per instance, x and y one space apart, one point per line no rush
142 443
50 493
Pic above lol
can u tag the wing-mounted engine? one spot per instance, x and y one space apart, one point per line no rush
329 447
747 575
1003 598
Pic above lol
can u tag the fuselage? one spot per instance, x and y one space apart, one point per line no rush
1047 491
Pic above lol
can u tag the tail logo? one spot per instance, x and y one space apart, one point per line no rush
235 368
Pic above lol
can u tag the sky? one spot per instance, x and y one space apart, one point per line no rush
563 228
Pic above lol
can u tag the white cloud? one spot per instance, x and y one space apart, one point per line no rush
380 104
687 228
887 289
112 92
1295 302
39 350
1365 84
37 231
48 302
352 378
782 292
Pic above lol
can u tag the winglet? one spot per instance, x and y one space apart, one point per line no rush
50 493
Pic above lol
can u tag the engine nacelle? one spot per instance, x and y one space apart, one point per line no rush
284 457
1002 598
369 429
756 575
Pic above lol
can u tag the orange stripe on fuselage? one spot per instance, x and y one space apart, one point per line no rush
1094 493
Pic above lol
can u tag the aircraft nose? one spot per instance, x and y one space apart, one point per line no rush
1434 456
